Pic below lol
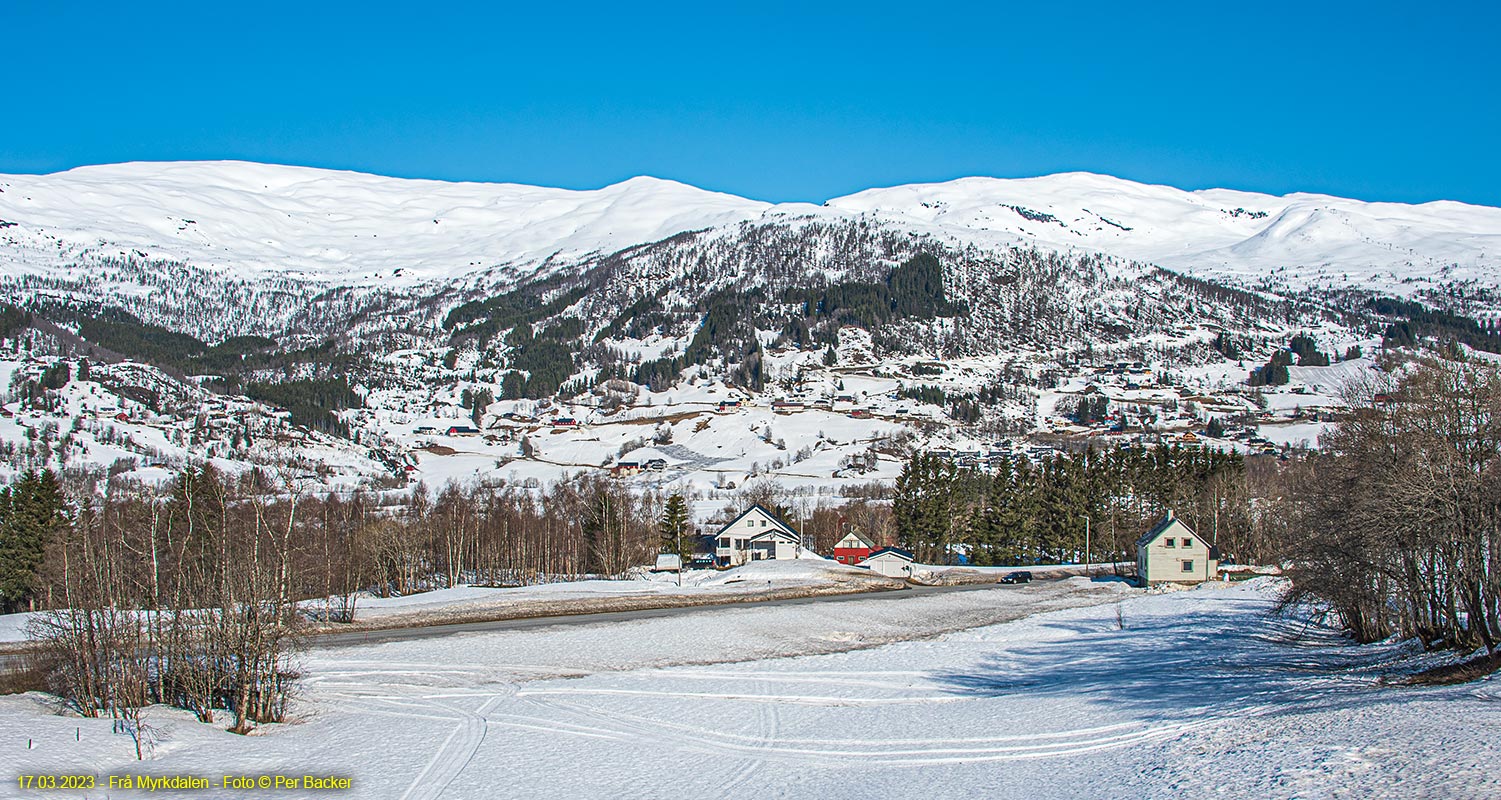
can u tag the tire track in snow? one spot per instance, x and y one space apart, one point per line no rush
766 745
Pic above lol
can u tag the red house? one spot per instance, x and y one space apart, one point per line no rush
852 549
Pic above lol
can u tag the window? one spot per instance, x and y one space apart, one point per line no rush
724 541
1168 542
1188 565
1188 543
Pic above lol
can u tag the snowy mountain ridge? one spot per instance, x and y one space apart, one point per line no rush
256 221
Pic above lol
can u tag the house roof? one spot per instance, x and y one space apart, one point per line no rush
892 551
776 533
776 520
1161 528
863 541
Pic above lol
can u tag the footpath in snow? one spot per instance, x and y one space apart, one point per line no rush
1066 689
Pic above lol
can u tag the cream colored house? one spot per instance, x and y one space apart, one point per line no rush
755 535
1171 552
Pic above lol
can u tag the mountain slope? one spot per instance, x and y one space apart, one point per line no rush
253 221
260 220
1323 241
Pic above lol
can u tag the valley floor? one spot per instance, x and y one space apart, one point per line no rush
1027 692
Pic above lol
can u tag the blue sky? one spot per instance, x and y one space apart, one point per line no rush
773 100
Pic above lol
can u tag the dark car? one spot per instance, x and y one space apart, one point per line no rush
1020 576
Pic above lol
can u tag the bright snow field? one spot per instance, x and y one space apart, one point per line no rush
959 694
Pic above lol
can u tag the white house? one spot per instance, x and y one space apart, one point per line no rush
755 535
1172 553
889 561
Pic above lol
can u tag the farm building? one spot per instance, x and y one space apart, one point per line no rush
1171 552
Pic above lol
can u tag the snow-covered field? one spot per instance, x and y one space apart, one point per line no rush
945 695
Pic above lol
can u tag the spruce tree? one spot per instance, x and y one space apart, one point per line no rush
676 528
32 516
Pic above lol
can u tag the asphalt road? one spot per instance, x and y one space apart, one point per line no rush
9 661
344 639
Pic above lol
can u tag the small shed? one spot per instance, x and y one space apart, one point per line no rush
1171 552
892 562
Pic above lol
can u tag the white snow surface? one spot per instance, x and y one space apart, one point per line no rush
1215 232
1202 693
259 220
346 227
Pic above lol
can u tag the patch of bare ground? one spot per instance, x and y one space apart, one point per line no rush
23 670
1460 672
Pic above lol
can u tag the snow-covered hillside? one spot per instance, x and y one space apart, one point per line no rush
261 220
346 228
1319 240
474 332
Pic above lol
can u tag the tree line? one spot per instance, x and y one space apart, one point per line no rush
1018 512
1397 520
198 597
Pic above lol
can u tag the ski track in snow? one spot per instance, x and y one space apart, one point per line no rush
1202 693
453 755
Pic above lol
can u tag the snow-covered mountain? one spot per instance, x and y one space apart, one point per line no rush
1220 233
352 327
255 221
258 220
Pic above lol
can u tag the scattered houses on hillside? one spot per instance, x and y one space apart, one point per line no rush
1171 552
757 534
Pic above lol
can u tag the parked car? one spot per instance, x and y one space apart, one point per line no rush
1020 576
